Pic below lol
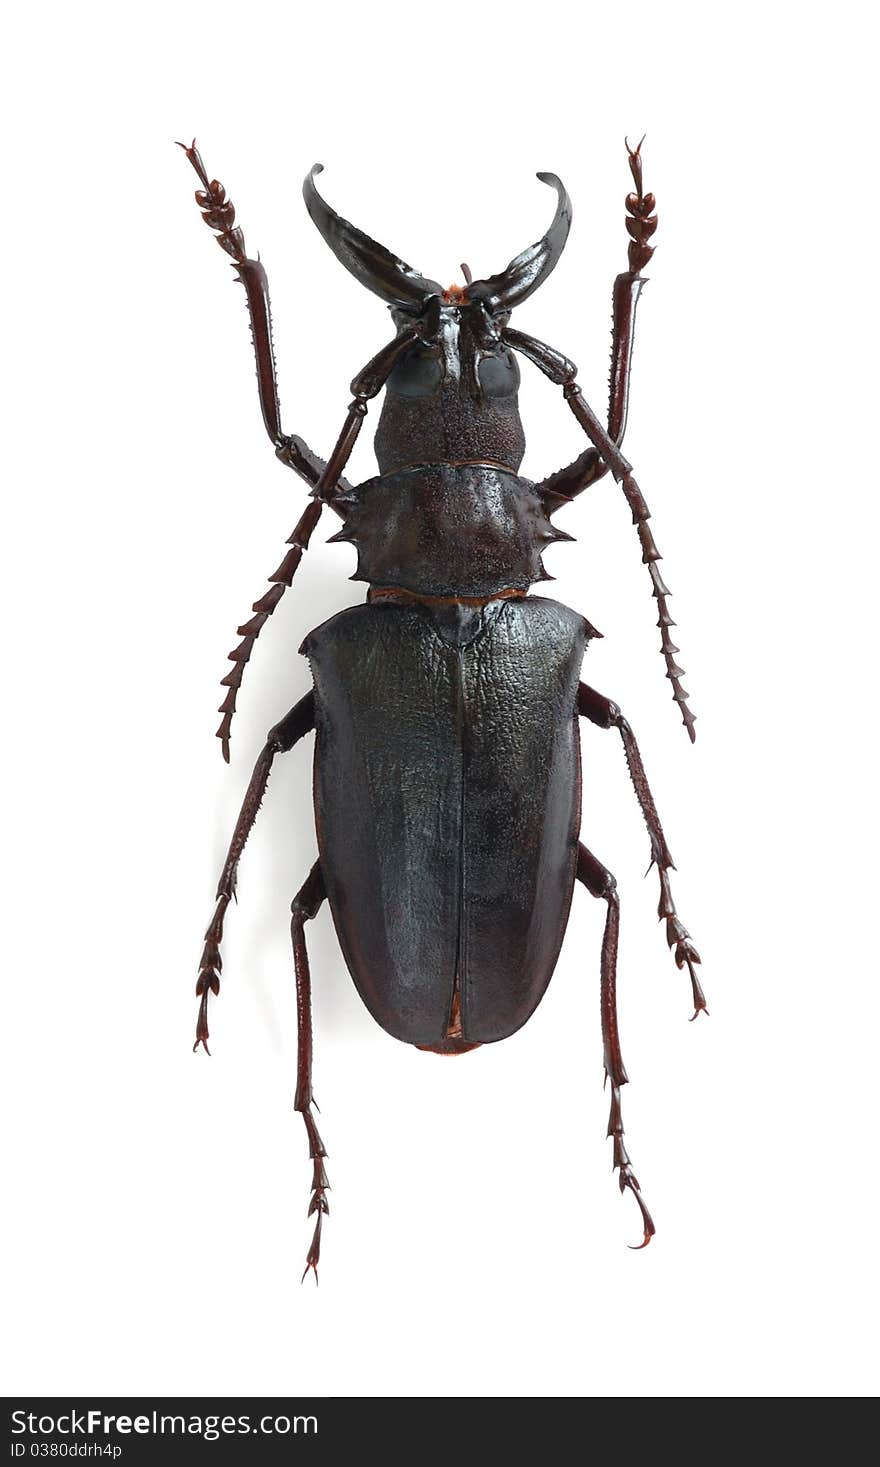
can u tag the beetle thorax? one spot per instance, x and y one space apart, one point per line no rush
452 400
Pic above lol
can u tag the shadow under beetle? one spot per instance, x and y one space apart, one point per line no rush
447 782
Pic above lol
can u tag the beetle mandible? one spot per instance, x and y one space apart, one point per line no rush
447 765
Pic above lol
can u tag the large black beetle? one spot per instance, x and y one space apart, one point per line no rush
447 769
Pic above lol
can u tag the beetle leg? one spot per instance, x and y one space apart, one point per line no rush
600 883
606 714
218 213
326 483
563 372
641 223
298 722
589 467
605 452
305 905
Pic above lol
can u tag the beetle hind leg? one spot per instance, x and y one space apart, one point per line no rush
305 905
600 883
294 725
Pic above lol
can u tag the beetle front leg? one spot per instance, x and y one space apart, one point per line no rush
600 883
306 905
329 487
298 722
218 213
641 222
606 714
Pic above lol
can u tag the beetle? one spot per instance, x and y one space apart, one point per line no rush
445 708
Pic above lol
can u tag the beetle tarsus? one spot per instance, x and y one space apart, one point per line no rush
627 1179
211 963
318 1203
314 1254
679 940
641 221
218 211
690 957
649 1232
647 1220
202 1035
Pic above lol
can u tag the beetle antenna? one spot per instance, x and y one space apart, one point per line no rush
262 609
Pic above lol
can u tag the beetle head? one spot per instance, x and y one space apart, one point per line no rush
456 390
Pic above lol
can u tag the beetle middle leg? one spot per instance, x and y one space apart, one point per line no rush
306 905
600 883
606 714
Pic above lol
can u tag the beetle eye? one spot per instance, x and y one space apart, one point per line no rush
499 375
418 375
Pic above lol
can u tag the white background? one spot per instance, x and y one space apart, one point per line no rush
155 1210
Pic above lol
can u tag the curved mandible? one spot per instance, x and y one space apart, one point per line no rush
397 283
530 269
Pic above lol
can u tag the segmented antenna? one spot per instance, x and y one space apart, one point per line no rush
641 222
650 556
621 469
262 609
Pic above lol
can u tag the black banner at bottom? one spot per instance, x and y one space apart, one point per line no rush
136 1429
